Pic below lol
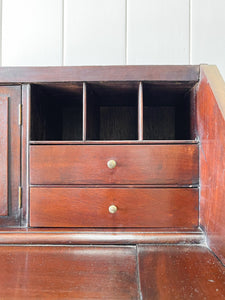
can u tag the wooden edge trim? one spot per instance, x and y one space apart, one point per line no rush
216 83
25 136
4 159
132 142
99 73
82 238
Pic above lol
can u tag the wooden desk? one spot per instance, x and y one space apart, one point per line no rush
127 158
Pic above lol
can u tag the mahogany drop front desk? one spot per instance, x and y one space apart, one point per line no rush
125 161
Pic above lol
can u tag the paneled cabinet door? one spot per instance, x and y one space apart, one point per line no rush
10 99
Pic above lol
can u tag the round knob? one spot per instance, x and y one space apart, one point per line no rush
112 209
111 164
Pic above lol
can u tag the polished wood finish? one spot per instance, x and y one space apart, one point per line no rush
180 272
144 272
101 236
145 142
10 162
89 207
99 73
153 121
136 164
211 130
4 155
68 273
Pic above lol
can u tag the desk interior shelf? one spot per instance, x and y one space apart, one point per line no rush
112 111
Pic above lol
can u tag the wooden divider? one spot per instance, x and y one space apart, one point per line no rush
84 111
140 112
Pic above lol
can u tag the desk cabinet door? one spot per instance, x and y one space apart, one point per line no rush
10 98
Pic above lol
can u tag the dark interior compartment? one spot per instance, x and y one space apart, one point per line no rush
166 112
112 111
56 112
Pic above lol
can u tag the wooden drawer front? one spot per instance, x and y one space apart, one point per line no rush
137 207
136 164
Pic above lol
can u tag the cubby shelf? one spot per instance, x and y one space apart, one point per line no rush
112 111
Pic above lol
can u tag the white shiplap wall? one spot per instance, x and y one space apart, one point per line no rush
112 32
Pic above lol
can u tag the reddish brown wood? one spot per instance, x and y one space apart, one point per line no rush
12 165
99 73
131 142
180 272
68 273
193 113
102 236
88 207
136 164
171 230
211 130
128 186
4 156
164 272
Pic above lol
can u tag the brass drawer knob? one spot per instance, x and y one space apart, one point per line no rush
112 209
111 164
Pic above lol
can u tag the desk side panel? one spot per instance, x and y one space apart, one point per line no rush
211 130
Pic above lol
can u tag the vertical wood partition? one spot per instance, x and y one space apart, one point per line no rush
140 112
26 99
211 130
84 111
4 156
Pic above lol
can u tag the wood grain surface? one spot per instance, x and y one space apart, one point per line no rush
211 130
87 207
98 73
100 236
180 272
106 272
68 273
144 142
136 164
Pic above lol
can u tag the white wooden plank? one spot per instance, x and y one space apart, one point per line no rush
32 32
208 33
158 31
94 32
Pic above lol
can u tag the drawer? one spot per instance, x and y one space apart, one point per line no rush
135 164
136 207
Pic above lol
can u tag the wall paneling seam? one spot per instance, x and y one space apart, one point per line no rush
190 32
126 34
63 32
